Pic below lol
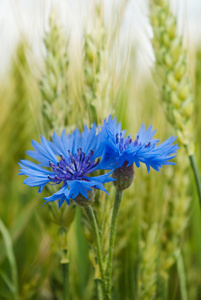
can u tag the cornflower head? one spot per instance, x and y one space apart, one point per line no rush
79 155
121 152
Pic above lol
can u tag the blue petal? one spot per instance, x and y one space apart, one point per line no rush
43 160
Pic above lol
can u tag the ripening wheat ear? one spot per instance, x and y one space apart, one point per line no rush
147 279
101 83
174 217
15 102
94 65
172 65
56 106
176 91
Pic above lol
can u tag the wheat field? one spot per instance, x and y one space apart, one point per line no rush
80 76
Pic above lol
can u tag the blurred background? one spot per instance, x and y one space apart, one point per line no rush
66 63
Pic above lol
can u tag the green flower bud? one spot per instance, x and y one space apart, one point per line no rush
80 200
62 217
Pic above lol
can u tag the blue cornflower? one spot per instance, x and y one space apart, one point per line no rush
123 152
79 155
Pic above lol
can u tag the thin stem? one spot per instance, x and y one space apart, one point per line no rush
117 203
65 271
63 234
92 218
196 173
99 291
181 273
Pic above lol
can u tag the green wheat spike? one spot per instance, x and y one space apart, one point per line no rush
172 67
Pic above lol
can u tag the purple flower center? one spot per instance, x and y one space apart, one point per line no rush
73 167
123 142
136 143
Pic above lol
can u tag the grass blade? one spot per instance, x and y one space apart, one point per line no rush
11 257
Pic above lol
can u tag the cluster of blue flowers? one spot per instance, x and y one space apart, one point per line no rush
68 161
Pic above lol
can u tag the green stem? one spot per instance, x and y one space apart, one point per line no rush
99 291
65 271
117 203
196 173
181 273
63 235
92 218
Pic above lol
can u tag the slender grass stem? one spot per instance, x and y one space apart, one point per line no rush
65 271
92 218
11 258
181 273
196 173
63 234
117 203
99 290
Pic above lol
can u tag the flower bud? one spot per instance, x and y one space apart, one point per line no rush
124 176
80 200
62 217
